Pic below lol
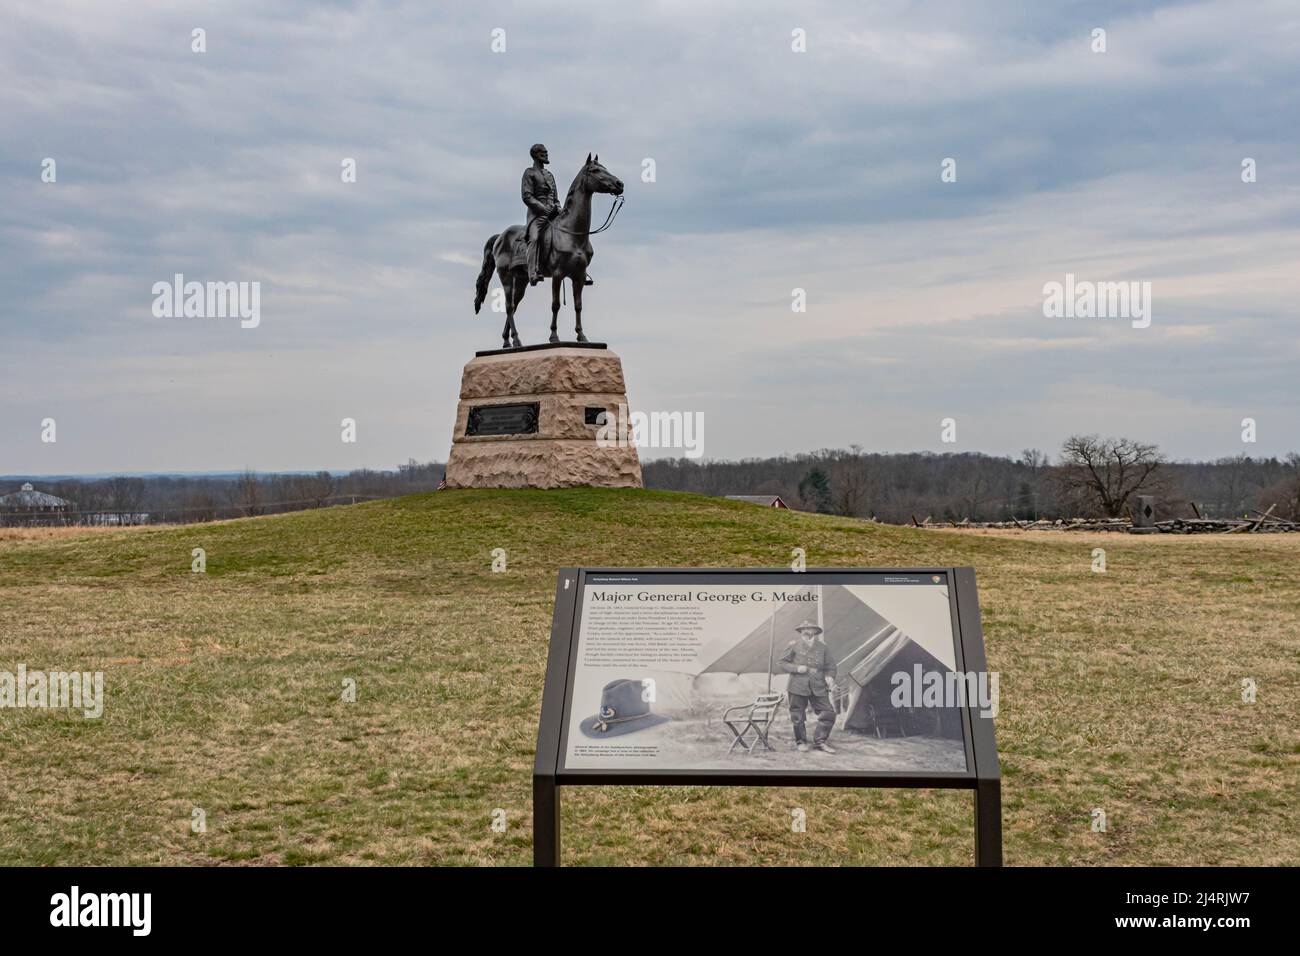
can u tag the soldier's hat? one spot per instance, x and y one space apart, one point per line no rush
809 626
622 711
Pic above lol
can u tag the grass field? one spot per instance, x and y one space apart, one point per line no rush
1119 690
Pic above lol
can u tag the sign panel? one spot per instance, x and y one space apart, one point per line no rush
517 419
863 677
768 673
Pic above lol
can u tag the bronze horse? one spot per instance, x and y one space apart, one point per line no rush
568 252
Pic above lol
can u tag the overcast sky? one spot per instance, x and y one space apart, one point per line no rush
775 170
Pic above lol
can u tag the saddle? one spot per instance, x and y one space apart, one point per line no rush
519 255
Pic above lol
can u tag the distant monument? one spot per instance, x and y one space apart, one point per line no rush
545 416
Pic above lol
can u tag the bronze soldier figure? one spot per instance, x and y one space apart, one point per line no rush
557 242
541 196
812 677
543 201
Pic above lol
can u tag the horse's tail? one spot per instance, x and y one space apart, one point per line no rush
484 274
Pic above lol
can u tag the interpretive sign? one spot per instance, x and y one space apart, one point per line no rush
863 677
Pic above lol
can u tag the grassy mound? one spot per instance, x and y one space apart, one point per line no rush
224 691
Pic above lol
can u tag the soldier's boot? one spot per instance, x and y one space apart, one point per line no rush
825 723
589 281
534 246
797 724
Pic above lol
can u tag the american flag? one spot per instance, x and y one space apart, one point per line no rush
442 483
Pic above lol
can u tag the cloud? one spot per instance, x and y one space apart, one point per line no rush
774 170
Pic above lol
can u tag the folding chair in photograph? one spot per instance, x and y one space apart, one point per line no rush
756 717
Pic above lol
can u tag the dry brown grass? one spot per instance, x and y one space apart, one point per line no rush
1119 690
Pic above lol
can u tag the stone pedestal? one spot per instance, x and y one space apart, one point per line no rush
527 419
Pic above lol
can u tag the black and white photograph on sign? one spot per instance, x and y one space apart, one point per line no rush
854 678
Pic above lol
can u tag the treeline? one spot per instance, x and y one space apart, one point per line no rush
1091 477
179 499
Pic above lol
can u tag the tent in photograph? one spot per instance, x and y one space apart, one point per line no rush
868 651
867 674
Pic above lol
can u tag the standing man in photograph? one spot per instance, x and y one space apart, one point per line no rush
812 678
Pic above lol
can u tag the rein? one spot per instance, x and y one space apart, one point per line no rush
609 221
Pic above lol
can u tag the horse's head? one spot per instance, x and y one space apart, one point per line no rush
599 179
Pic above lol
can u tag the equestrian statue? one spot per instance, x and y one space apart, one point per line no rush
554 243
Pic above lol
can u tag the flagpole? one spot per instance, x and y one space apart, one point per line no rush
771 647
821 617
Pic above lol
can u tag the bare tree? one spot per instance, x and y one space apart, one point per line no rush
247 494
316 489
200 506
851 483
1293 485
1233 484
1034 460
1285 492
125 497
1107 472
973 491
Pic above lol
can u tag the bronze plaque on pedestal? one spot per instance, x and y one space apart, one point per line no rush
519 419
